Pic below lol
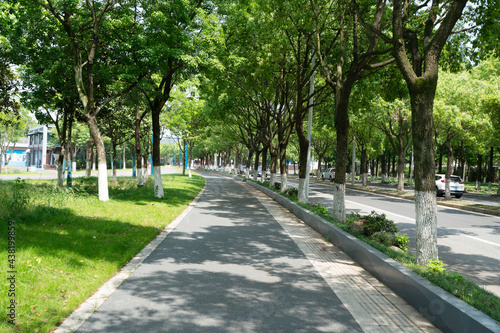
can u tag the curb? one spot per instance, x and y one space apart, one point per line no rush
444 310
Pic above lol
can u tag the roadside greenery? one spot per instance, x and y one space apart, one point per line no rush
380 233
68 243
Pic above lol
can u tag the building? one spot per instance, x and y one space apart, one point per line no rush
18 157
39 153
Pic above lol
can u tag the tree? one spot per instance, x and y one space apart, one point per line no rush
184 117
349 49
118 125
393 119
458 115
417 49
9 106
11 130
179 35
84 31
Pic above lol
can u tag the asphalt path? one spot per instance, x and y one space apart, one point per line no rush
468 243
226 267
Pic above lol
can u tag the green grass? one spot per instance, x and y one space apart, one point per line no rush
451 282
471 188
68 243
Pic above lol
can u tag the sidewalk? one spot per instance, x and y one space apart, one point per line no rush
239 262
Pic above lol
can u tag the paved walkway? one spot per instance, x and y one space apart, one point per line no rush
239 262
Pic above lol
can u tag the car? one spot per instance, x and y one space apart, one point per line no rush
456 185
328 174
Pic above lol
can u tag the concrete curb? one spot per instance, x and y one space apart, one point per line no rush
444 310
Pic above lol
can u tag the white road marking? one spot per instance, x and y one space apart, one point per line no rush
482 240
411 219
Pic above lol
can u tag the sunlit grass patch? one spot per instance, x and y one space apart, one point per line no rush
68 243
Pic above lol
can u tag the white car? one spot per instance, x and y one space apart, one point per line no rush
328 174
456 185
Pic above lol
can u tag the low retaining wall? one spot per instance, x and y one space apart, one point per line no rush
444 310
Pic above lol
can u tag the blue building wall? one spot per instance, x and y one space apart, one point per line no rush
18 158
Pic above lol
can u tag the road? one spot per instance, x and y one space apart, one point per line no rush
468 243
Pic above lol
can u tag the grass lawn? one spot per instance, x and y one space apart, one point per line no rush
68 243
471 188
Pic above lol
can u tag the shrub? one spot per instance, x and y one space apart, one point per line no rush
384 238
277 186
321 210
402 241
292 193
378 222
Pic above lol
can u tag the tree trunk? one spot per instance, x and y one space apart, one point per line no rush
60 166
274 165
425 188
158 184
114 157
491 170
363 166
303 148
383 171
88 158
249 163
342 127
283 168
124 157
256 165
138 152
264 163
447 192
401 171
101 159
479 171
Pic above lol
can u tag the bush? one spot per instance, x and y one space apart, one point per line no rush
292 193
384 238
402 241
378 222
277 186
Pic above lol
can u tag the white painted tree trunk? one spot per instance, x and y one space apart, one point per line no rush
426 226
255 172
273 180
73 164
140 179
60 176
302 190
284 182
447 192
124 156
383 179
247 173
365 179
189 170
478 185
489 186
103 181
339 202
158 185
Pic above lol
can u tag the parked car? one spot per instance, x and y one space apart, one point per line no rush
328 174
456 185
